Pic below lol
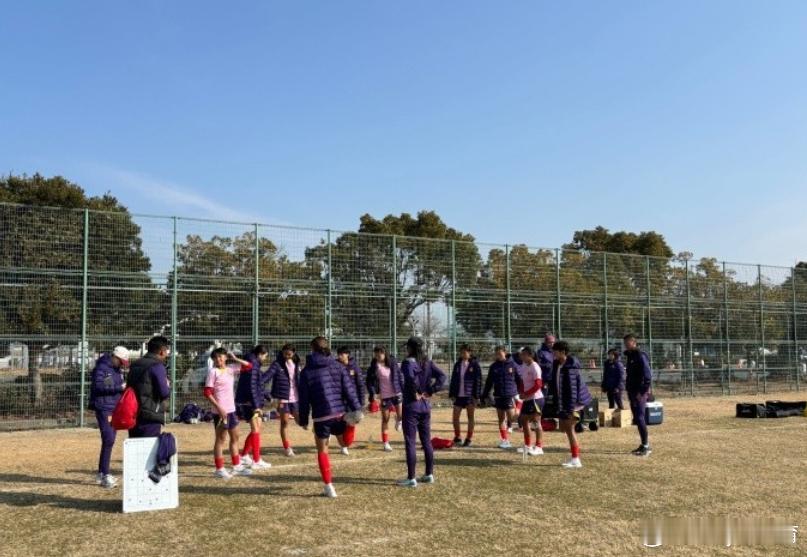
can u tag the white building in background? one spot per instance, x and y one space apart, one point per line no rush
17 358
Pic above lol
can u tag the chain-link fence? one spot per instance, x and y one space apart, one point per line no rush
75 283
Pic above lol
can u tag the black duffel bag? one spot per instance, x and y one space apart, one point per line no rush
751 410
785 408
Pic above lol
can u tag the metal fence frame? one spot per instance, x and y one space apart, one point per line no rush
603 302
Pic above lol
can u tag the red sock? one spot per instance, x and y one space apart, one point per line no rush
219 462
256 447
575 451
539 444
503 434
385 437
247 445
324 467
456 431
286 444
350 435
527 437
236 459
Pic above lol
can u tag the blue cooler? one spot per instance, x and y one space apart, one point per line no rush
654 413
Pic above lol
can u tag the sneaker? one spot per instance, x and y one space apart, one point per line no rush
536 451
329 491
222 473
573 463
638 450
246 460
261 465
99 478
643 451
505 444
522 450
408 483
466 443
387 447
427 479
398 425
241 470
457 441
509 429
289 452
109 482
345 451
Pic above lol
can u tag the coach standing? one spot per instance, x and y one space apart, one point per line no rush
637 383
149 380
545 357
105 389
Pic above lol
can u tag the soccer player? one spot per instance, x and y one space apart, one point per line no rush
359 383
637 383
502 376
530 385
385 381
327 395
465 389
285 375
249 402
571 395
105 389
613 379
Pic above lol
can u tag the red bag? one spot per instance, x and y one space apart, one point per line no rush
438 443
125 414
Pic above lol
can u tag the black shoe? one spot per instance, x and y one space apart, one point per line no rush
466 443
457 440
643 451
638 450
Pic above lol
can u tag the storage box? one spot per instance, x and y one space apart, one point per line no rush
622 418
605 417
654 413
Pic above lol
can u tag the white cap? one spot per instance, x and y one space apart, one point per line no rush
122 353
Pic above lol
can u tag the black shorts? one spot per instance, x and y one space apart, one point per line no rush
230 423
326 428
463 402
531 407
504 403
287 408
246 412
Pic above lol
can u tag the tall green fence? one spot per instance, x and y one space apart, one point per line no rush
75 283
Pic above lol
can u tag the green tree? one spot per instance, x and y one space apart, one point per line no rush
41 258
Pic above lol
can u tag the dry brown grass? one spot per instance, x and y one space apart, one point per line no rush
486 501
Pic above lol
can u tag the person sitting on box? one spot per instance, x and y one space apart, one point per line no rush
637 383
613 379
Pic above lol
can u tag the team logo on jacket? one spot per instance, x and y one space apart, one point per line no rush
510 370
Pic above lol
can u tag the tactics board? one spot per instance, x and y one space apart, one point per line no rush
139 492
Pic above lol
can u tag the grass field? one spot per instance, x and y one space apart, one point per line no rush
486 501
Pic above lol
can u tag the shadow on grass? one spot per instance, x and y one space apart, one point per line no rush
337 478
24 499
22 478
474 462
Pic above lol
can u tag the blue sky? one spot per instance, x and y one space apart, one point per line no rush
515 121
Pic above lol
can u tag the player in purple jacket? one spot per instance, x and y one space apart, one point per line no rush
503 379
385 382
422 378
544 357
284 373
638 382
613 379
327 395
465 389
148 378
571 394
105 389
249 402
359 383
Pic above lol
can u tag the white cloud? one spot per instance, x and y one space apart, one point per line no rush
178 199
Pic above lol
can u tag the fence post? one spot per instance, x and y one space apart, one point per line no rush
726 319
795 330
174 325
689 334
557 293
452 321
508 302
255 299
649 320
83 352
762 331
329 301
606 335
394 347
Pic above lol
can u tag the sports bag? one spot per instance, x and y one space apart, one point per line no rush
125 414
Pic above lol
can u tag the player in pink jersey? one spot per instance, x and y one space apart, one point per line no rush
220 391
